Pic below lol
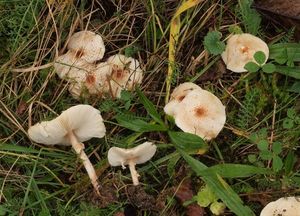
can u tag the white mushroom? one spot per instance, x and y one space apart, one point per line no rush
200 113
178 95
93 82
240 50
126 73
286 206
74 126
87 45
137 155
65 64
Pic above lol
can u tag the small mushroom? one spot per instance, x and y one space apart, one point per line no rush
200 113
126 73
137 155
240 50
87 45
178 95
285 206
74 126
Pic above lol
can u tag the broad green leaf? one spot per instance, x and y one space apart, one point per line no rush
295 87
281 50
277 163
287 123
252 67
219 187
289 71
138 125
260 57
235 170
276 147
149 106
289 162
269 68
263 145
213 44
187 141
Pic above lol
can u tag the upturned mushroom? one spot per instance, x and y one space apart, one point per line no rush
199 112
87 45
285 206
137 155
240 50
126 73
74 126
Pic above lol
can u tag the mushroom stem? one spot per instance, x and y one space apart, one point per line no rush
78 147
134 173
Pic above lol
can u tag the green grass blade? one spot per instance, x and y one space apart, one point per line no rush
219 187
236 170
149 106
187 141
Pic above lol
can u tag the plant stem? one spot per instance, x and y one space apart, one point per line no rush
78 147
134 173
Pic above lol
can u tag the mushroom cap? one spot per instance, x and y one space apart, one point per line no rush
94 81
126 73
240 49
139 154
87 45
84 120
200 113
285 206
178 95
68 62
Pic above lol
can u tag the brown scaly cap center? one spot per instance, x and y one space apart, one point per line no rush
90 79
200 112
118 73
79 53
244 49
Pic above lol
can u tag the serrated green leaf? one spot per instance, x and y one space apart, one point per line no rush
217 208
291 113
277 163
187 141
269 68
205 197
252 67
252 158
138 125
260 57
221 189
266 155
276 147
263 145
287 123
213 44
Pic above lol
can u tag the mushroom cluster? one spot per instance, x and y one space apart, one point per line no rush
285 206
87 77
240 50
196 111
